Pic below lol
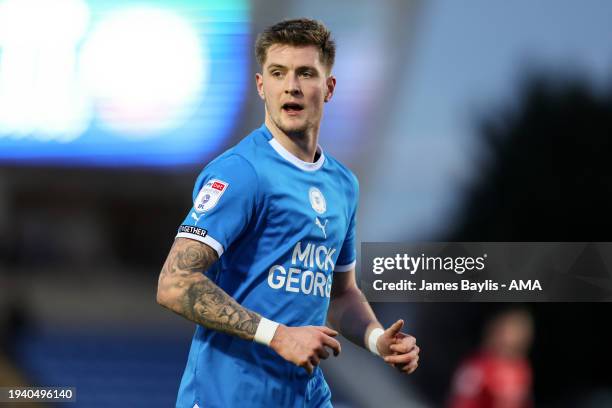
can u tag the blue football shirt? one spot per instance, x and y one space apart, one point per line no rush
281 228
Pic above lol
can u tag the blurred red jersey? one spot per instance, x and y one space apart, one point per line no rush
487 381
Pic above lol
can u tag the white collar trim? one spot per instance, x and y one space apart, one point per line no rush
287 155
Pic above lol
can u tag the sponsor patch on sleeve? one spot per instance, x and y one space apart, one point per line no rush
189 229
209 195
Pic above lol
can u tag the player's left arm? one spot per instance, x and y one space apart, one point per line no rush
351 314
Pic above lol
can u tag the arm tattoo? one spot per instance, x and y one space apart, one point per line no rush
191 294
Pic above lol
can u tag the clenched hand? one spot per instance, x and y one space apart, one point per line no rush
305 346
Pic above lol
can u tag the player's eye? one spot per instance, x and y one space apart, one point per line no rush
276 74
307 74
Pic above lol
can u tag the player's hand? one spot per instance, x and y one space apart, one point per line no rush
305 346
399 349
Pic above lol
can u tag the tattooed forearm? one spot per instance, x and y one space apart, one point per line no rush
185 290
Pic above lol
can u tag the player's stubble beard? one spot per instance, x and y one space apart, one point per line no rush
300 133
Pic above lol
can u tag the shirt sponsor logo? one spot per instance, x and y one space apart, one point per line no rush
299 281
190 229
209 195
307 277
317 201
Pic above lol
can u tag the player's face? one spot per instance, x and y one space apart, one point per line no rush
512 334
294 85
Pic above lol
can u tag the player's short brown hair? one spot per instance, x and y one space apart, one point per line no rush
297 32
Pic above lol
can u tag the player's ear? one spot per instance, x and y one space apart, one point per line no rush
259 83
330 83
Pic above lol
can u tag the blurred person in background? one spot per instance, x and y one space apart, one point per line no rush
499 375
273 219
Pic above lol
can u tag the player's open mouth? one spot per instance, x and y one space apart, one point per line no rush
292 108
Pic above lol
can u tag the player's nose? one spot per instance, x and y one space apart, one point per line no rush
292 85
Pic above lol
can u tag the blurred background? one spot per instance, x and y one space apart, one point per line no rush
479 121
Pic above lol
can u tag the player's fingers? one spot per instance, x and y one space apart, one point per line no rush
410 368
323 353
395 328
398 359
401 358
405 346
308 367
398 348
327 330
332 344
314 360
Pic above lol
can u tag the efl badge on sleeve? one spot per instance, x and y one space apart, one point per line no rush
209 195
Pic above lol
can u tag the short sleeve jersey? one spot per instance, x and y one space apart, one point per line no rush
281 228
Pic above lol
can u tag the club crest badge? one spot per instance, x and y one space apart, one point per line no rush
317 201
209 195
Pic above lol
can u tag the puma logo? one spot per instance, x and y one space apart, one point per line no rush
196 218
322 226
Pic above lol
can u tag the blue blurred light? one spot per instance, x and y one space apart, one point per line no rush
116 83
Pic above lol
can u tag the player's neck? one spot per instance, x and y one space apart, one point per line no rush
302 146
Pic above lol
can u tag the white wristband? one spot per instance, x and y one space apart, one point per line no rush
373 338
265 331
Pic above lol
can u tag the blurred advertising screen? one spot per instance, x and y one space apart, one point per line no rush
120 83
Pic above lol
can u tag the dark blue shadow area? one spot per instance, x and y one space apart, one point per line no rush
108 369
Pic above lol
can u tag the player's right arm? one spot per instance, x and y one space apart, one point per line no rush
184 289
